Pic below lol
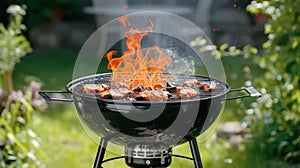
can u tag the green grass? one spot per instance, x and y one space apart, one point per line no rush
63 139
67 145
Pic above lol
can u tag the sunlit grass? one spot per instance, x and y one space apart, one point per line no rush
67 145
62 138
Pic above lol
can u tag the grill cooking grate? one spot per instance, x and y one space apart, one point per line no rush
76 86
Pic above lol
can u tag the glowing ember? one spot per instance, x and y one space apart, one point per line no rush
135 67
216 29
125 6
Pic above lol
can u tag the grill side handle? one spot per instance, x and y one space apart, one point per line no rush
44 95
251 92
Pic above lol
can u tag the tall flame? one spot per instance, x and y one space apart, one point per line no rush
136 67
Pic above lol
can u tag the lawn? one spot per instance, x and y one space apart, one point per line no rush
67 145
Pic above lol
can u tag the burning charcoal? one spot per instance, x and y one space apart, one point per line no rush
172 89
156 95
95 88
178 89
88 88
198 88
208 86
104 86
120 93
124 85
169 84
186 93
149 88
191 83
143 96
138 89
169 95
118 96
132 95
157 87
106 95
159 95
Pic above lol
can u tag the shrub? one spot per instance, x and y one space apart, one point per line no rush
277 113
13 45
274 119
18 143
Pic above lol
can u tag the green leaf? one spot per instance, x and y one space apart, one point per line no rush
268 29
283 40
11 135
223 47
295 44
29 109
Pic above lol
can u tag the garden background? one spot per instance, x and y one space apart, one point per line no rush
39 43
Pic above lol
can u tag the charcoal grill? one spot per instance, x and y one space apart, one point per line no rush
147 143
148 130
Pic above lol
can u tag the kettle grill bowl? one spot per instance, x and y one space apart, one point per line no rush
106 117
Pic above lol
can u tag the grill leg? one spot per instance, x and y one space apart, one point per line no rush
195 153
100 153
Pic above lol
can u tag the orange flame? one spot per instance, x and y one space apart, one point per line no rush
124 21
136 67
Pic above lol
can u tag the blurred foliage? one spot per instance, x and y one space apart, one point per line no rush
47 11
18 143
277 113
13 45
275 118
42 12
